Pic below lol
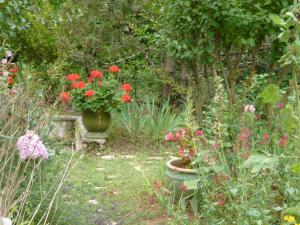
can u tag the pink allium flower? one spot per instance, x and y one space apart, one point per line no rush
170 137
199 132
280 105
31 147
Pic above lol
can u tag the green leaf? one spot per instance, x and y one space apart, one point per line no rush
260 161
194 205
296 168
192 184
253 213
277 20
294 211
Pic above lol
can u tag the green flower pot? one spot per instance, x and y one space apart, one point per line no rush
178 175
98 121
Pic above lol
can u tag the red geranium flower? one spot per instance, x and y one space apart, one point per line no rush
10 80
73 77
90 79
89 93
126 98
80 84
126 87
114 69
15 70
96 74
73 85
65 97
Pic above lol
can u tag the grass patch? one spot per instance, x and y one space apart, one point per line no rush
100 191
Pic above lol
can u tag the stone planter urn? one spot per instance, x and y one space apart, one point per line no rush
178 174
96 122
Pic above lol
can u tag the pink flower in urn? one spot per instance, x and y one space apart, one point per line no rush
170 137
199 132
178 135
182 152
280 105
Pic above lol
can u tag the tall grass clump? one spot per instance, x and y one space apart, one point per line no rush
24 124
150 119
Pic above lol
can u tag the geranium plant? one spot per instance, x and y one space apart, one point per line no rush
97 91
8 70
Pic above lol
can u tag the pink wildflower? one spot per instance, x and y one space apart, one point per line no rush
283 142
280 105
170 137
199 132
266 136
31 147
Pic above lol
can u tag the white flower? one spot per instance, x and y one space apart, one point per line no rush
8 53
250 108
4 61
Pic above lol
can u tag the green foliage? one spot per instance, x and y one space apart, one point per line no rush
197 28
149 120
288 119
31 27
258 162
270 95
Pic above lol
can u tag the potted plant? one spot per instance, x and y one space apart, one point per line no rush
182 169
96 97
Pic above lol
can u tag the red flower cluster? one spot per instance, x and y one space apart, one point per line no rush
126 98
10 80
65 97
11 75
15 70
96 74
89 93
79 85
73 77
114 69
126 87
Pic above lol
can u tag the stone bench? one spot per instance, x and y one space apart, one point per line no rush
64 125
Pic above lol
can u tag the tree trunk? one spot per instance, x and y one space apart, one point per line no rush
198 100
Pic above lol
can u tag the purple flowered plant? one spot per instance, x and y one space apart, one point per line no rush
31 147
